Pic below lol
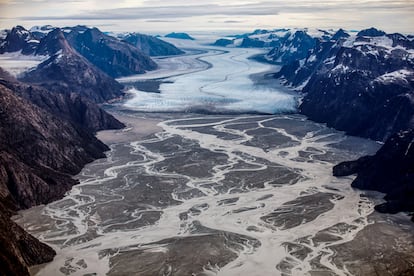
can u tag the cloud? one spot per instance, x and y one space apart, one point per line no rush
246 14
162 12
161 21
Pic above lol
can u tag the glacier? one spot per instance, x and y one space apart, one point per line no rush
215 81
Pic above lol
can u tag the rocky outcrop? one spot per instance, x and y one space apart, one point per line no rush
114 57
151 45
390 171
66 71
19 250
362 84
179 36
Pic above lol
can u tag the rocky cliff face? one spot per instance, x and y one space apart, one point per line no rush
390 171
66 71
19 250
114 57
151 45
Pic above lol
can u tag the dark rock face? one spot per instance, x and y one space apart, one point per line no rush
365 90
390 171
38 154
372 32
19 39
72 107
363 85
19 249
151 45
223 42
43 141
179 36
293 47
68 72
112 56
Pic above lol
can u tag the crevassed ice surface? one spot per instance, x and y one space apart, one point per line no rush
225 87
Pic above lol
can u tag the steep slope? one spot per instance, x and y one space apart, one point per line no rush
18 39
66 71
112 56
365 86
39 151
38 154
19 250
72 107
151 45
390 171
362 84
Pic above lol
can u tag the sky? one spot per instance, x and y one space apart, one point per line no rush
163 16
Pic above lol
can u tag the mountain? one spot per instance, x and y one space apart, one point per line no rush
390 171
72 107
18 39
151 45
38 154
365 86
19 250
114 57
66 71
297 71
293 46
362 84
40 151
223 42
286 44
179 36
111 55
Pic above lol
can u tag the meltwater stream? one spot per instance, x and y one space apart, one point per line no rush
210 195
